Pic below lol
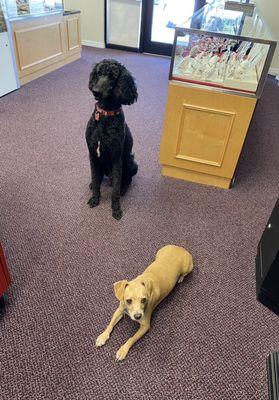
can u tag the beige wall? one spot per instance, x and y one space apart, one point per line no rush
92 20
270 12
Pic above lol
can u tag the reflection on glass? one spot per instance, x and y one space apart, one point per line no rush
215 18
167 14
23 6
213 60
3 27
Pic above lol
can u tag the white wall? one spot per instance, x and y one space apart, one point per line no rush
92 20
270 11
125 24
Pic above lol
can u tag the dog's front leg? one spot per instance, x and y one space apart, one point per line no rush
96 179
123 351
102 339
116 184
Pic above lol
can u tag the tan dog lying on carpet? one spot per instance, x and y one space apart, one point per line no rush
139 297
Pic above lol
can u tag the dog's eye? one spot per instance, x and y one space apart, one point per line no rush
129 301
143 300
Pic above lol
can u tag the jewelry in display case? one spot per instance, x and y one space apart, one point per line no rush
230 49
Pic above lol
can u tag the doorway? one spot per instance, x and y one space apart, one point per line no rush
159 19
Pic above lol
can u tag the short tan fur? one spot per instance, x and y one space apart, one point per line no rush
140 296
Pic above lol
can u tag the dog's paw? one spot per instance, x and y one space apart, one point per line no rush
181 279
102 339
94 201
122 353
117 213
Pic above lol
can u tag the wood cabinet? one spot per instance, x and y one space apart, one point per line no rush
43 44
5 278
203 134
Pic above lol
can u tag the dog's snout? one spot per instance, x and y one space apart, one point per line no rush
96 91
138 316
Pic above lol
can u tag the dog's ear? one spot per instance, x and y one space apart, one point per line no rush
148 284
119 288
93 77
126 89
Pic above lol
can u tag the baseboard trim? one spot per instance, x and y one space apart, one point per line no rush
120 47
274 71
91 43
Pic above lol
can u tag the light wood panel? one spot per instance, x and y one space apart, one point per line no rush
38 44
52 67
203 133
73 32
194 176
45 43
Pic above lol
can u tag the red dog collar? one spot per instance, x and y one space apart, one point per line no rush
100 111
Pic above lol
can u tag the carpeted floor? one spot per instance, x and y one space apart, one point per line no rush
210 338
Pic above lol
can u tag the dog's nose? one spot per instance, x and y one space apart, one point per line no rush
137 316
96 92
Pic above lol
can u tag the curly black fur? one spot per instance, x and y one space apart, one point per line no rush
109 139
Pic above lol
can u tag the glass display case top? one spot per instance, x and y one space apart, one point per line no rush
230 18
21 8
227 45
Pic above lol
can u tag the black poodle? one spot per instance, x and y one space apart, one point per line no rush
108 137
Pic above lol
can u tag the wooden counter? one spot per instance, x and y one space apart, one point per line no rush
203 135
45 43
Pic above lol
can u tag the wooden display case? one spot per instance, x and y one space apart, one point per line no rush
45 43
220 61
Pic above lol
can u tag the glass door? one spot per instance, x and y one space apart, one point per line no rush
123 18
161 18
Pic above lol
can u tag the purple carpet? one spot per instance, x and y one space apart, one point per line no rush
210 337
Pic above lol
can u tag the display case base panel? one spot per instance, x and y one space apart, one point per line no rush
193 176
50 68
203 134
